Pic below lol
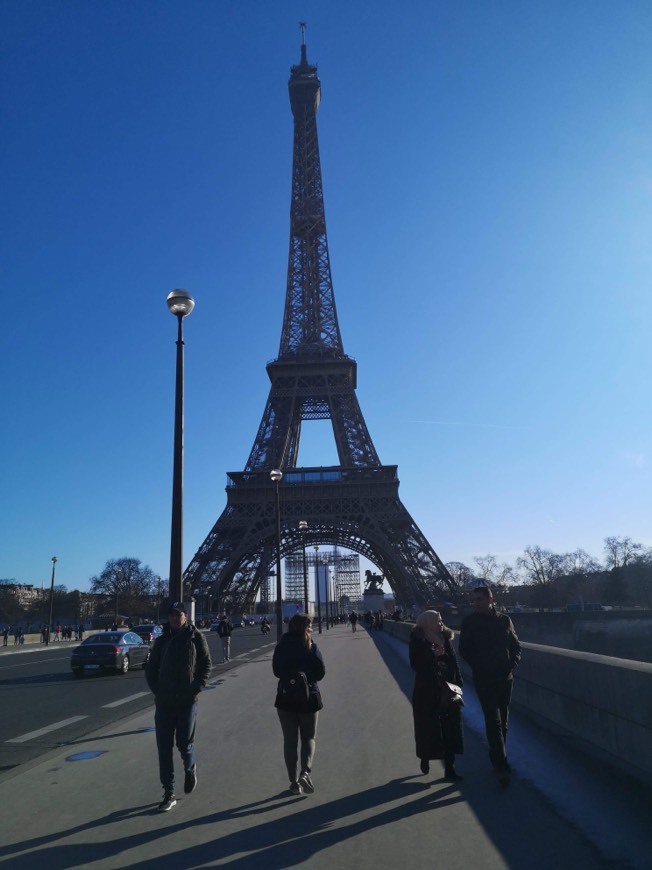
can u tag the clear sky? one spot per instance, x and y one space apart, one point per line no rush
488 189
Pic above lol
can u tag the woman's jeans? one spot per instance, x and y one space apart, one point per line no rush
293 726
171 722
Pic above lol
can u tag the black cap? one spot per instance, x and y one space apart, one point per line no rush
179 606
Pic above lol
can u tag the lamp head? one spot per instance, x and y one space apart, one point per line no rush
180 302
276 475
303 525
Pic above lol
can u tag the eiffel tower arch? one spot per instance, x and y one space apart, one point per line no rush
354 505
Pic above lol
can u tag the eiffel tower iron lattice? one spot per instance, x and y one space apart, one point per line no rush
354 505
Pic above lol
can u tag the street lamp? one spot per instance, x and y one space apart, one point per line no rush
303 526
326 585
276 475
49 628
158 598
317 588
180 303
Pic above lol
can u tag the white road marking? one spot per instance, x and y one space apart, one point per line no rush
27 664
125 700
34 734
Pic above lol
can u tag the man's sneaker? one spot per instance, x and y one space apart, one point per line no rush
295 788
190 782
306 783
167 803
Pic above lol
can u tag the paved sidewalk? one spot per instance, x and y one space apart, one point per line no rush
371 808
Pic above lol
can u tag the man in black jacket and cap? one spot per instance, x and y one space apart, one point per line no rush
177 670
488 643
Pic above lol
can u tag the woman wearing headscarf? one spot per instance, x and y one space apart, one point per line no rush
437 725
297 655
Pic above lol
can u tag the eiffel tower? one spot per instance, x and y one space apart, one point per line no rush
354 505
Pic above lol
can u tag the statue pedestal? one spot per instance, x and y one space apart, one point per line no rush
374 600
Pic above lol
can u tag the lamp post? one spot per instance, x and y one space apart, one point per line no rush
318 595
303 525
49 628
180 303
158 598
276 475
326 585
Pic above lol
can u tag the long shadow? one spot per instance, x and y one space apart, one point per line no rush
278 842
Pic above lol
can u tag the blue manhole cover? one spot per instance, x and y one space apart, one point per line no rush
85 756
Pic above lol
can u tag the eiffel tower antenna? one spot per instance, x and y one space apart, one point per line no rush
354 505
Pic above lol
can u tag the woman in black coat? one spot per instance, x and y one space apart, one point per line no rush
297 654
437 727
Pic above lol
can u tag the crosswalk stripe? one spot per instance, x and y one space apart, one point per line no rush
41 731
125 700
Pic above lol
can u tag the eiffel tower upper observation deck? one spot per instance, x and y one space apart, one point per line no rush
354 504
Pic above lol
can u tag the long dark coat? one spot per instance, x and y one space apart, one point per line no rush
437 733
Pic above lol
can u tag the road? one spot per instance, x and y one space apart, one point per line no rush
44 706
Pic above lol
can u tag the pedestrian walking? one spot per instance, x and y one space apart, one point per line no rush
353 619
488 643
176 672
5 636
299 666
224 629
437 722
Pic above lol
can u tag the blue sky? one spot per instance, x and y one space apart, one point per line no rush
488 189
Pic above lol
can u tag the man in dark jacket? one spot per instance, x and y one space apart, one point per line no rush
177 670
224 629
488 643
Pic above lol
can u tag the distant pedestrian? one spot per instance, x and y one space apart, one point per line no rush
488 643
224 629
353 619
16 635
5 636
176 672
437 725
80 631
298 662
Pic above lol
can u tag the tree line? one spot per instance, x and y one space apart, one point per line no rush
125 588
542 578
539 578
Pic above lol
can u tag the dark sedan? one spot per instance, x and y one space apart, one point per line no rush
149 631
109 650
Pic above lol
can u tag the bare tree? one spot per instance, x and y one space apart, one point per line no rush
543 567
619 552
127 584
490 569
460 573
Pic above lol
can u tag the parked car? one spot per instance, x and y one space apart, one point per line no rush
109 650
149 631
214 625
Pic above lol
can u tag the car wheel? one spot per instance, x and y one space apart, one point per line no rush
123 667
78 672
